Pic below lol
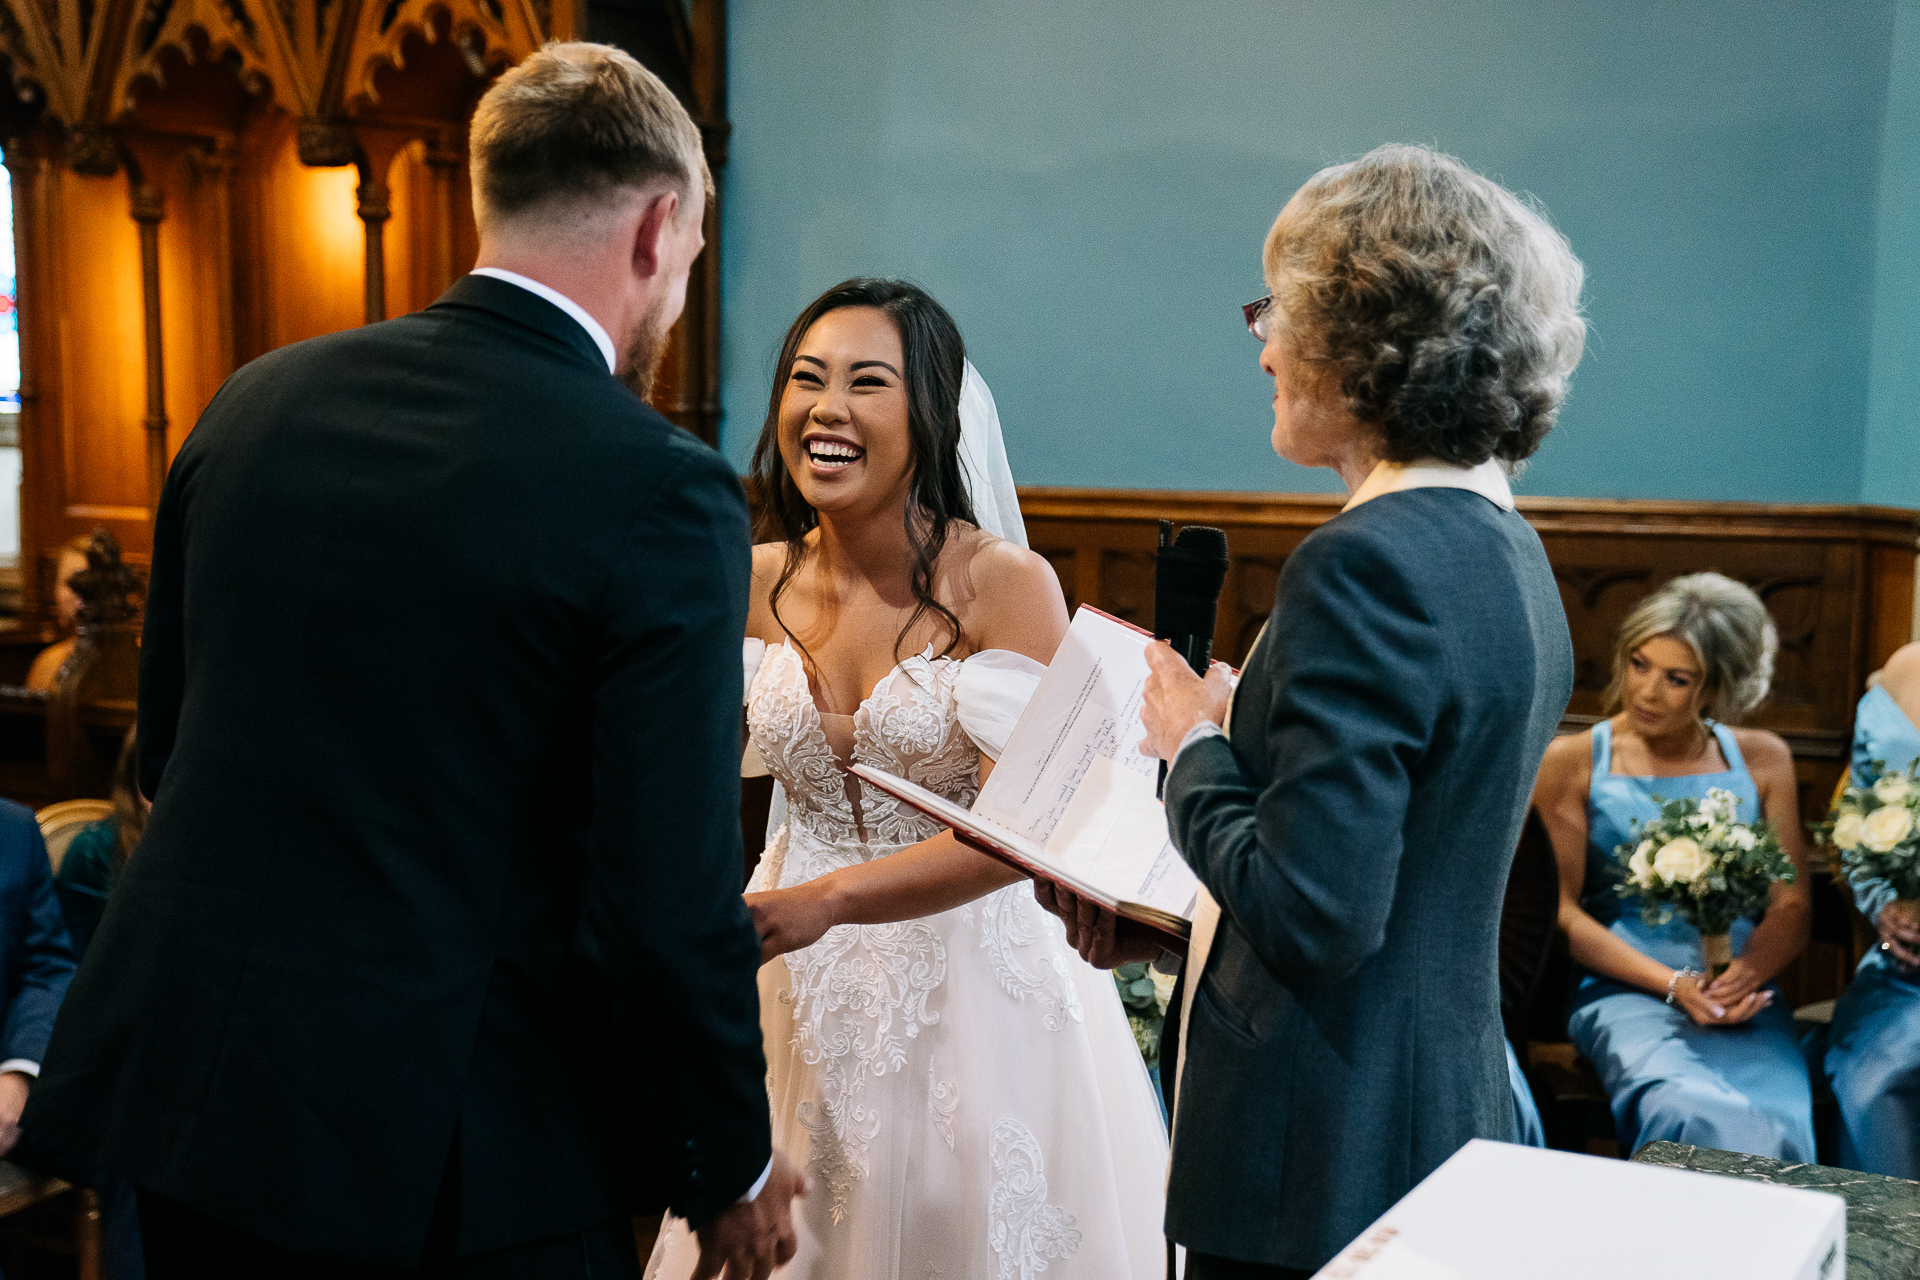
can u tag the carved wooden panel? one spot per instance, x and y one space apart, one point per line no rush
1101 543
1126 586
198 182
1808 588
1838 581
1062 560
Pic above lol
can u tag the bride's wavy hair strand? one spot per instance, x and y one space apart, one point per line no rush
935 357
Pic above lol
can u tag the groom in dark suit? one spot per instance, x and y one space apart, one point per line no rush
433 959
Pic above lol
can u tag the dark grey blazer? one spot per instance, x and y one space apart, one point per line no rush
1356 831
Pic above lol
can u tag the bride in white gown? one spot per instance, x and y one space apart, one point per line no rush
962 1090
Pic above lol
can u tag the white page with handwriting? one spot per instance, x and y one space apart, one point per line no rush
1072 778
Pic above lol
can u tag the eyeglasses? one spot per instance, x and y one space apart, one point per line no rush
1258 313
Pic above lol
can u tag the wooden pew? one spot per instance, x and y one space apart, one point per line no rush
61 743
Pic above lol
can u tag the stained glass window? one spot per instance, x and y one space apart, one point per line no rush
9 313
9 407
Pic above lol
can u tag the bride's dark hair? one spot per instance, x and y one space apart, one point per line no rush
937 496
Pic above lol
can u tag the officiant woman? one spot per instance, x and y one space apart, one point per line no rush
1353 820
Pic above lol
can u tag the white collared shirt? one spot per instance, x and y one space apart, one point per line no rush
594 328
1489 480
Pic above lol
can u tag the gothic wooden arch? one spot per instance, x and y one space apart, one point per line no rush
199 181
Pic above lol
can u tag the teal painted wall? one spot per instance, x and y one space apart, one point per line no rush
1891 470
1086 184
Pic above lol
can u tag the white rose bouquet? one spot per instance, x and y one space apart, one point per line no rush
1698 861
1876 828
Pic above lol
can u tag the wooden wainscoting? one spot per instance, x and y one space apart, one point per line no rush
1838 580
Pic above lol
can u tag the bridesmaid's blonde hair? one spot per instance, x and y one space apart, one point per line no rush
1725 625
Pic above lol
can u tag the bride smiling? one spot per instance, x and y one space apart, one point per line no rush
963 1090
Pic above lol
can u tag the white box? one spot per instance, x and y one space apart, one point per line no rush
1496 1211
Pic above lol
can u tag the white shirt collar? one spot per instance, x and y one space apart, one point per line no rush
1489 480
594 328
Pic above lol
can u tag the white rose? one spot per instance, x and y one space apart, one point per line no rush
1846 831
1743 837
1884 828
1892 789
1640 865
1162 989
1679 861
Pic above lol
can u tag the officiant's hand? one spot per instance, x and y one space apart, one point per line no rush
1103 939
789 919
1176 700
753 1237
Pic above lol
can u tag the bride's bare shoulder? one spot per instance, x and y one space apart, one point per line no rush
1016 601
995 565
769 559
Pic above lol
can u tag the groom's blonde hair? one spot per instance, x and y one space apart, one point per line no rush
562 135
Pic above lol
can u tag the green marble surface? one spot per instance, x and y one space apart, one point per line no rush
1883 1214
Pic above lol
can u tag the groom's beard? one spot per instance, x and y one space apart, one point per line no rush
646 347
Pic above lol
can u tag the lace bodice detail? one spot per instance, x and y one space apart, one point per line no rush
917 1068
907 726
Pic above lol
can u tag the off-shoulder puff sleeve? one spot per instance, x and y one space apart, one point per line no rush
752 653
989 694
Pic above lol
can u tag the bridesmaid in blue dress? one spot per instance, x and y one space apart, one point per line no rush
1872 1050
1682 1059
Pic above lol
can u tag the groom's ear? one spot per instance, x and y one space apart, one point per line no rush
650 233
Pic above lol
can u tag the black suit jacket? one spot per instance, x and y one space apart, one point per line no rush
36 959
1357 831
440 705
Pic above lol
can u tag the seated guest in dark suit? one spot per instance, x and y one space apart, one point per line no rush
100 850
1353 822
38 910
38 962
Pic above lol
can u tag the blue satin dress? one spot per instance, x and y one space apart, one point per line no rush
1872 1049
1741 1088
1528 1130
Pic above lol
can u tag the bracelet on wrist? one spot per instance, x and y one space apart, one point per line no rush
1673 983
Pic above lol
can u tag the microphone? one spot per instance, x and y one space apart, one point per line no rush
1188 573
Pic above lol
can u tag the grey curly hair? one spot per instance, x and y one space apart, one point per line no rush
1445 308
1725 625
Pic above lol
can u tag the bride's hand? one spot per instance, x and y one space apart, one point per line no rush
788 919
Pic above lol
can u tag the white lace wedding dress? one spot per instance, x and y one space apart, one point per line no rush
962 1090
